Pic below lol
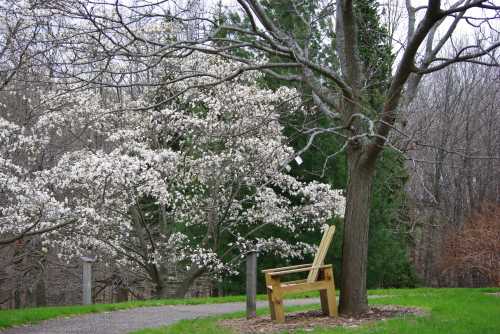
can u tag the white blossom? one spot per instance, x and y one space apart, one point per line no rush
167 183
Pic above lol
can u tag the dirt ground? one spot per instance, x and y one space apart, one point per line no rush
311 319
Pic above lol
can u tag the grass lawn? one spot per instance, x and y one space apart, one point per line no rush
9 318
451 311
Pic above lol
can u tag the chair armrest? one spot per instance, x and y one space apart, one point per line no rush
298 270
286 268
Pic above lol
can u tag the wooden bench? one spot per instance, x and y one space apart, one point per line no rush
320 278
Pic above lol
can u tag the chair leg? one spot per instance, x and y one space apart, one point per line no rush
324 302
329 295
279 309
275 297
331 302
271 304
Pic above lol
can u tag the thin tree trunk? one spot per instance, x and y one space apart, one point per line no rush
353 298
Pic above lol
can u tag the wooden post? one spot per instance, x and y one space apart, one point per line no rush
327 296
270 296
251 284
87 280
277 299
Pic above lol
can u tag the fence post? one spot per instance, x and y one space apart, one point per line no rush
87 280
251 284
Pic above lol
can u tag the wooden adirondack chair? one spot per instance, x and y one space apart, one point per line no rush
320 278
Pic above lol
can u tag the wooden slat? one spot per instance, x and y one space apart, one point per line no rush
298 270
269 287
321 253
295 281
319 285
286 268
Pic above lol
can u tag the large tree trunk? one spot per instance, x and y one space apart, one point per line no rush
353 297
164 288
188 280
163 292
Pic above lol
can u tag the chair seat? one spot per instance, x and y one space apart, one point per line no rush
290 283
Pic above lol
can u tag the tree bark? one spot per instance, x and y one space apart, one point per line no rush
353 297
191 276
162 292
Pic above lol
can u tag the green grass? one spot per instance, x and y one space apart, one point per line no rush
9 318
451 311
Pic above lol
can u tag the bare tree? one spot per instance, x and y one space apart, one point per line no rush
453 149
474 246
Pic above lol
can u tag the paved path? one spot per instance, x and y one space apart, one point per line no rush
124 321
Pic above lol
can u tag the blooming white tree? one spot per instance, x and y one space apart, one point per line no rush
192 184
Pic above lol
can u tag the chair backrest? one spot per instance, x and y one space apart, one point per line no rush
319 258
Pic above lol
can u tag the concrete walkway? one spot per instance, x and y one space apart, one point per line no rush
125 321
